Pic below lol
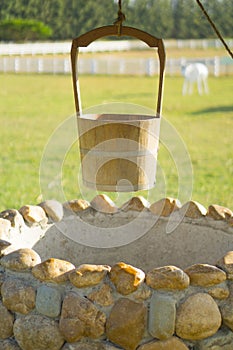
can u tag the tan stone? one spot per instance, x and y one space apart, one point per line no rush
198 317
33 214
142 293
126 323
102 296
226 264
104 204
205 275
138 203
53 270
80 318
87 275
21 259
167 277
172 343
165 206
5 226
126 278
193 210
36 332
219 292
76 205
217 212
13 216
6 322
17 296
53 209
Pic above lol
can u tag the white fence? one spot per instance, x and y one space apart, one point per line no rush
55 48
53 58
130 66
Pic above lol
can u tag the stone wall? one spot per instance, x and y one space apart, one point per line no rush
52 303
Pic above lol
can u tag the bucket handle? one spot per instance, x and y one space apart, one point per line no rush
87 38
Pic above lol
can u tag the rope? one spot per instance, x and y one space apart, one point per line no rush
215 28
120 18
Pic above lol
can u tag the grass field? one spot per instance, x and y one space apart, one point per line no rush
33 106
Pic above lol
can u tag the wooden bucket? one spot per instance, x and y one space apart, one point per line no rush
118 151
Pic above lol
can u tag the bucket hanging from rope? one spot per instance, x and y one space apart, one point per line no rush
118 151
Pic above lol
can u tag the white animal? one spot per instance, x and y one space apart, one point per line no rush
195 73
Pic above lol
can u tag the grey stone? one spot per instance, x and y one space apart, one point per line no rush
53 209
86 345
220 341
162 316
48 301
9 344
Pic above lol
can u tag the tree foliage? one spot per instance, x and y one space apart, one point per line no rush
178 19
23 30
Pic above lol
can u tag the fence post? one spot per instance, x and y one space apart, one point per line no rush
93 66
5 64
16 64
122 66
66 66
40 65
216 66
149 67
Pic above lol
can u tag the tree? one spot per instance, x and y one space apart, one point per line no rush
179 19
23 30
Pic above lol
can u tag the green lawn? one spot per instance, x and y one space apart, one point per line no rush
33 106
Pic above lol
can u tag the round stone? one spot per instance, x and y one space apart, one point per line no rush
38 333
198 317
205 275
53 209
173 343
48 301
168 278
21 259
87 275
53 270
6 322
18 296
126 323
126 278
33 214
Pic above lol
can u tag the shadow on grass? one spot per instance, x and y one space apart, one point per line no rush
217 109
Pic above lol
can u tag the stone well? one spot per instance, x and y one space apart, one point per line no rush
82 276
